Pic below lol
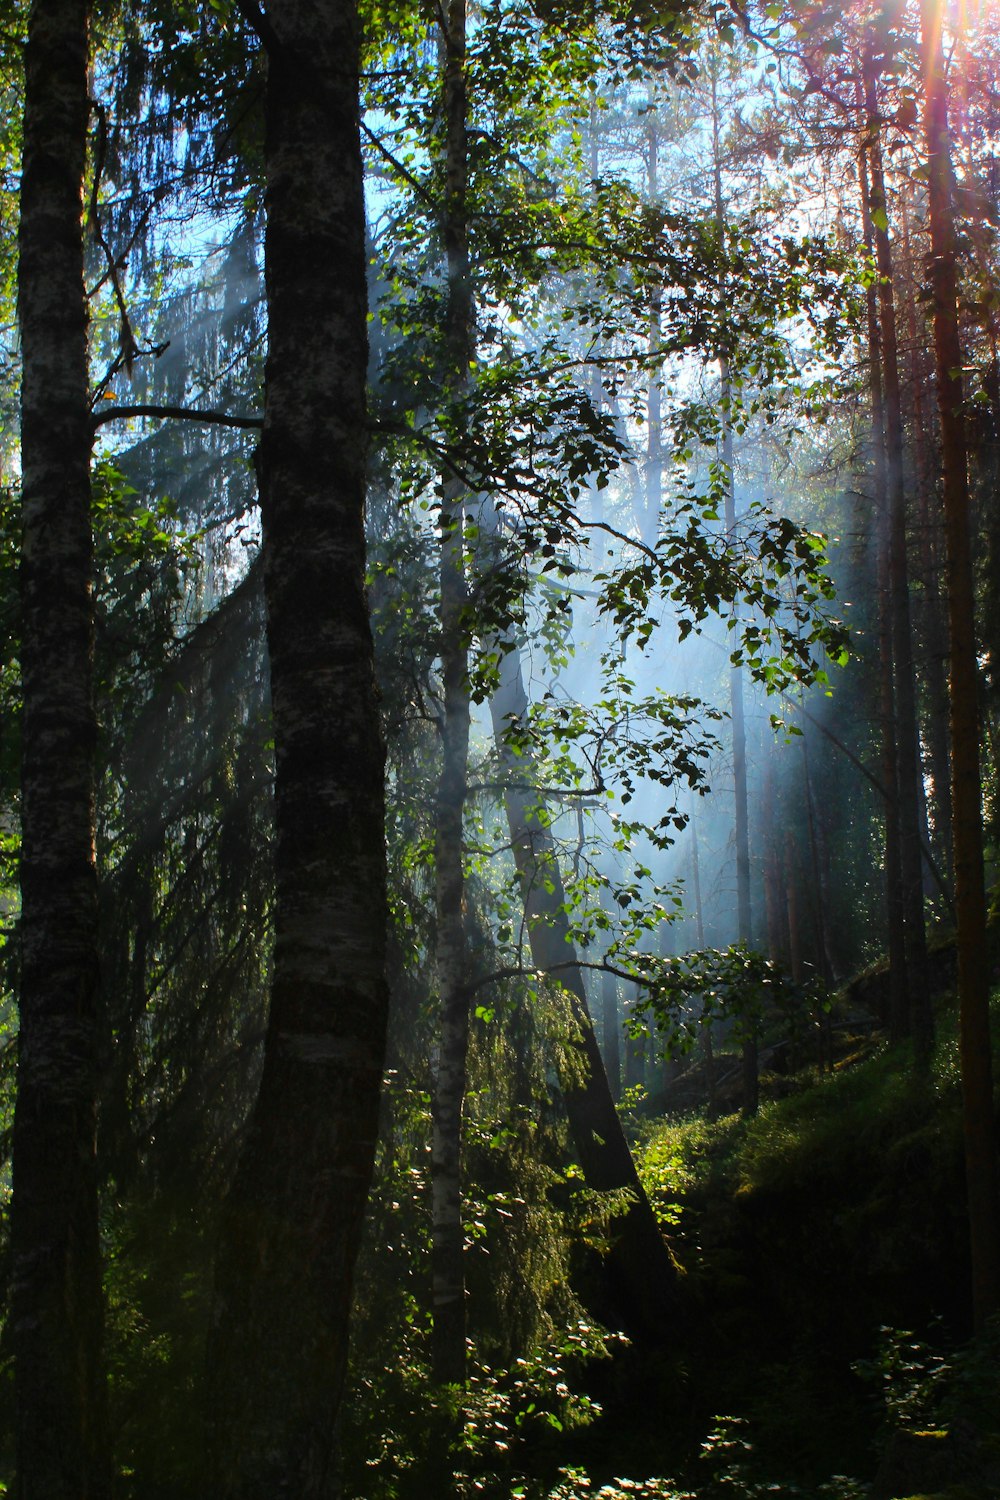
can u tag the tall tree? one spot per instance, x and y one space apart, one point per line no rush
907 780
895 910
293 1216
639 1259
741 828
970 894
448 1234
56 1276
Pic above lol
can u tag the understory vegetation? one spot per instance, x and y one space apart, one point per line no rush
822 1245
500 772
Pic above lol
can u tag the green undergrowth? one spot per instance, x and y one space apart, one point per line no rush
824 1255
814 1238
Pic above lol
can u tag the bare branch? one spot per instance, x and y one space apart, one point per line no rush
179 413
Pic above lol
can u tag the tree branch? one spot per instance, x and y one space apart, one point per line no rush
178 413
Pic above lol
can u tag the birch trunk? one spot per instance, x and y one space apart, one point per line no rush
56 1309
293 1217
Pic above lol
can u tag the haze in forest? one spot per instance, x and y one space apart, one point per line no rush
499 766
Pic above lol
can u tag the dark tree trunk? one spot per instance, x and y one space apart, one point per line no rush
654 399
774 896
612 1028
792 887
293 1217
908 771
635 1061
825 960
935 628
744 921
898 1015
640 1263
970 895
448 1236
56 1308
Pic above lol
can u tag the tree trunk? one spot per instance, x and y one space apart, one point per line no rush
654 398
908 771
935 629
792 899
635 1058
970 896
898 1016
699 927
293 1218
56 1308
448 1237
744 922
825 959
639 1261
612 1027
776 921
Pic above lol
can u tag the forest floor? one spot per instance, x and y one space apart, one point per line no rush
824 1250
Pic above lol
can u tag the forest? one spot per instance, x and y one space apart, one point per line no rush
500 772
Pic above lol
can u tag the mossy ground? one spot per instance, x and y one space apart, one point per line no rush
824 1248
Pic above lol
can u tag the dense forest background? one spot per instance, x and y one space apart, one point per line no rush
499 776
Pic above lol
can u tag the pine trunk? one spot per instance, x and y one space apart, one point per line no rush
448 1237
56 1308
898 1012
293 1217
970 896
744 924
908 770
935 629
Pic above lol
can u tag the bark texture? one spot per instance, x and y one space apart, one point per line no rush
294 1214
741 819
934 625
970 896
895 911
612 1032
908 773
448 1236
639 1261
56 1316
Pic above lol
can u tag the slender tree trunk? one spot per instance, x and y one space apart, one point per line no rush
56 1308
774 896
908 771
935 626
448 1237
821 895
742 819
699 911
898 1017
708 1022
792 898
293 1218
612 1026
635 1060
639 1261
654 399
970 895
